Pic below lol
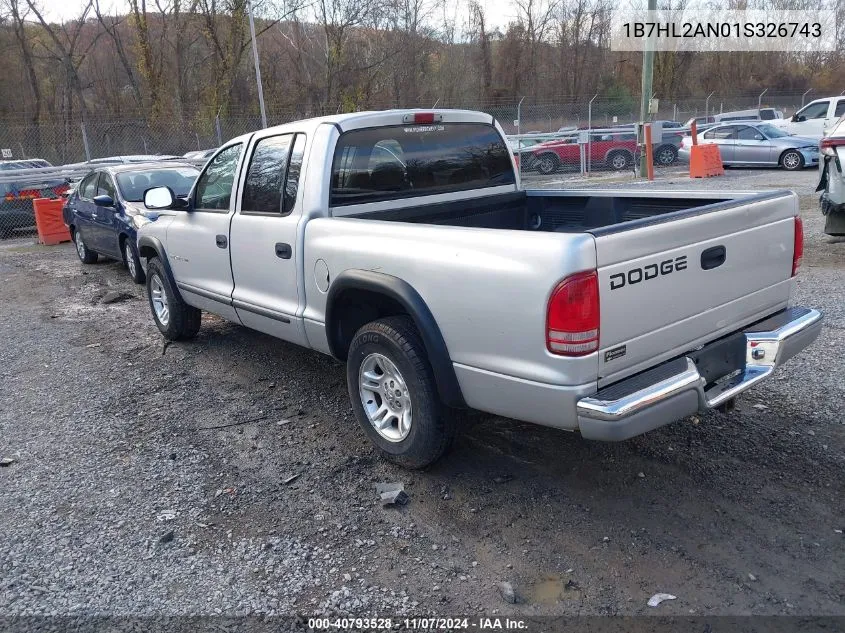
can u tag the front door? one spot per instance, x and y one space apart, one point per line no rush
104 223
812 120
264 244
752 147
86 210
198 239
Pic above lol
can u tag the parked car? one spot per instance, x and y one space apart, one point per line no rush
815 118
16 197
615 150
757 144
202 154
832 179
612 149
762 114
133 158
106 209
442 284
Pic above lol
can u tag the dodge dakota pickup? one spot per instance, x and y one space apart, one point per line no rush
402 244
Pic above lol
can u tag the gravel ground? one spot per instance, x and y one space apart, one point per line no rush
158 479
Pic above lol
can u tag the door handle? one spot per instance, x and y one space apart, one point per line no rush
94 216
283 250
222 242
713 257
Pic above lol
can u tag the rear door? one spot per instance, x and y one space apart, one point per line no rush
670 284
265 257
724 137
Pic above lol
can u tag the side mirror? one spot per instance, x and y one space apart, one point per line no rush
103 201
758 137
159 198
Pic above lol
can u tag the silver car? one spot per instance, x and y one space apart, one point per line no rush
757 144
832 179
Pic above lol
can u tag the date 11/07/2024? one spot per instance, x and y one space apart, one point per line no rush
420 624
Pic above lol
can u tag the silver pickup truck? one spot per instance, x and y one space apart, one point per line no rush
402 244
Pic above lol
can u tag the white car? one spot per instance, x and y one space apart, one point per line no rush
832 179
815 119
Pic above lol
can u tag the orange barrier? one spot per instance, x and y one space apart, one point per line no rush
705 161
48 220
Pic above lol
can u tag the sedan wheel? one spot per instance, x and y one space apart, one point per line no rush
792 160
666 155
86 255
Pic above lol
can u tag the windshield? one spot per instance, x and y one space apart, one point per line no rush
133 184
771 131
387 163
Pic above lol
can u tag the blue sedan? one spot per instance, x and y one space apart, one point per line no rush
106 209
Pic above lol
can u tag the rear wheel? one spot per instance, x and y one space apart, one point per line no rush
547 164
620 160
393 393
86 255
792 160
666 155
175 319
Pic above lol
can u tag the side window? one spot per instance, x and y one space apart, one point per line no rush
748 134
214 187
292 179
814 111
266 174
721 133
840 108
106 186
88 187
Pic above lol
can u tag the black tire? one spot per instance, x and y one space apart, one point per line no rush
620 160
792 160
85 254
182 321
132 261
432 427
665 155
547 163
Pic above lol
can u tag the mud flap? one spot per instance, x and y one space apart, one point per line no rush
835 222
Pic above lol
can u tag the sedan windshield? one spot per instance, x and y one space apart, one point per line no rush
771 131
133 184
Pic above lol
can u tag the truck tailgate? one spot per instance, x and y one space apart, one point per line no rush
671 283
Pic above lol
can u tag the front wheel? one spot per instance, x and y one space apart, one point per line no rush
792 160
133 262
620 160
393 393
86 255
175 319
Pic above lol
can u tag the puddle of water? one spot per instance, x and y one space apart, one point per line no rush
552 589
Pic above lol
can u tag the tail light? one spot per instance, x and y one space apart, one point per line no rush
828 145
798 249
572 321
423 118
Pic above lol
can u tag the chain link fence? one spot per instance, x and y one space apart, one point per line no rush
553 141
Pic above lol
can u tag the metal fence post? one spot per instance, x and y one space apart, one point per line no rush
707 105
590 132
804 95
760 99
85 141
219 131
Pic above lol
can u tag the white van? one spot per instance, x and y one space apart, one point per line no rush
814 119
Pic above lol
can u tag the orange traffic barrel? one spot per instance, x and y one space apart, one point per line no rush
49 222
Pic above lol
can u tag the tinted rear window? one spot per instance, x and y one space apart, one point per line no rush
388 163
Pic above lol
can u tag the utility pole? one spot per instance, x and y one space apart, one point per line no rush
257 66
648 75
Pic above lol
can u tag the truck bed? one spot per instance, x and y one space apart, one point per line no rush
557 211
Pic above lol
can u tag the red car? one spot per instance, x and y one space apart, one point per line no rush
616 150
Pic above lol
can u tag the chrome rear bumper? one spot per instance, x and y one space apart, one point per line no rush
676 389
